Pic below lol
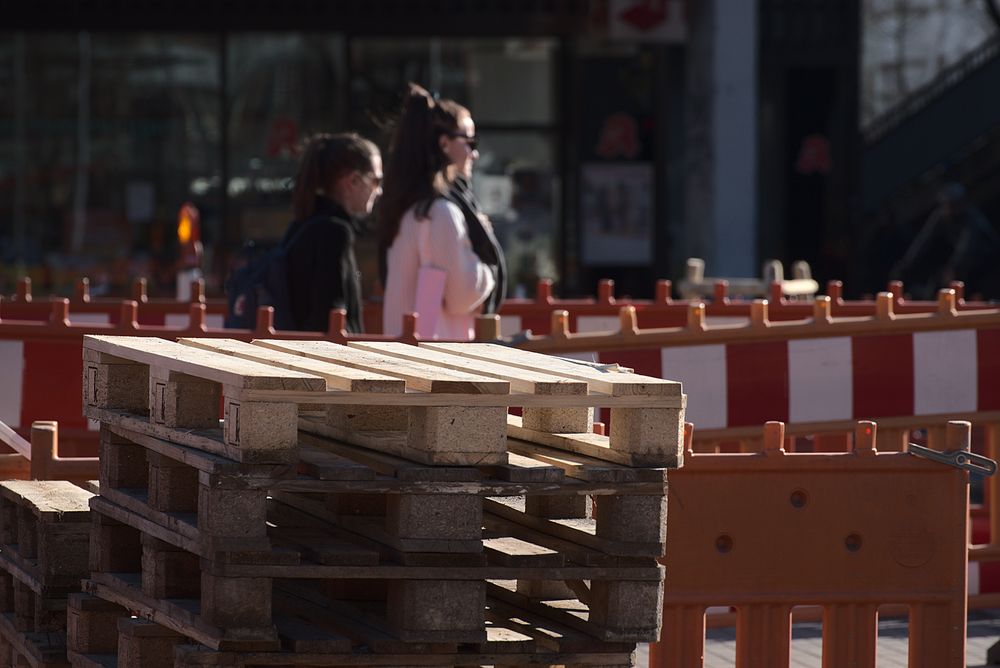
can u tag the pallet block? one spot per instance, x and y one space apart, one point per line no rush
45 529
143 644
183 386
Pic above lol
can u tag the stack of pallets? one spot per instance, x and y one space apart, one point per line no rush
44 536
371 504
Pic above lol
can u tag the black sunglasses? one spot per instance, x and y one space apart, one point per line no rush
473 142
376 180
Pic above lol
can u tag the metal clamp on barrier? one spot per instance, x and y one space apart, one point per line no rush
960 459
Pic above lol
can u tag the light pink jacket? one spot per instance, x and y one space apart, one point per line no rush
468 280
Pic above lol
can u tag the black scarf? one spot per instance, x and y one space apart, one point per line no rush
484 242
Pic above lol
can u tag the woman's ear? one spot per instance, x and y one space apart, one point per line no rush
443 143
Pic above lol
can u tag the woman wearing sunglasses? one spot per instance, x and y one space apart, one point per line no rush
462 150
338 180
422 233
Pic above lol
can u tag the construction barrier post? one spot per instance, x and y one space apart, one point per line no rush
848 532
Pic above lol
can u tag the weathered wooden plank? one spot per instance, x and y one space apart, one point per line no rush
510 551
422 377
530 381
607 381
224 369
49 500
337 376
591 445
582 531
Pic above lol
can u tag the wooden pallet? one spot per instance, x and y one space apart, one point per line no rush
392 487
341 523
44 545
318 633
437 403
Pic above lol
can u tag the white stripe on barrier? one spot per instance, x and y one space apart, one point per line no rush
176 320
702 371
944 372
974 585
215 320
11 381
819 379
727 321
510 325
597 323
89 318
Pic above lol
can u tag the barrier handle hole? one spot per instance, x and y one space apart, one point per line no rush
853 542
724 544
799 498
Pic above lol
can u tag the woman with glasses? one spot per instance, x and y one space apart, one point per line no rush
462 151
420 228
338 180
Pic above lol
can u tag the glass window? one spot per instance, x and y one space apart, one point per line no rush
280 89
103 133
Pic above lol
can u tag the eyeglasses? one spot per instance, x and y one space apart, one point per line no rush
376 179
472 141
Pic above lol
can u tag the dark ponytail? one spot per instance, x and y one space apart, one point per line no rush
415 169
325 159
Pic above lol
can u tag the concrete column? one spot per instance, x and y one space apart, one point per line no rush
721 143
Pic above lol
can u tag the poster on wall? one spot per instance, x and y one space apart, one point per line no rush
616 216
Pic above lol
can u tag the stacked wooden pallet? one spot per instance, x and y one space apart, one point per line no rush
44 536
371 504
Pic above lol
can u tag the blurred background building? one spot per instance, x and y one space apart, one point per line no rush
618 137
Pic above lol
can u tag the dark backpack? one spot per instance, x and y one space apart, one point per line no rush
262 281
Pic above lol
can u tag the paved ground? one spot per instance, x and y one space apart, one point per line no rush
720 646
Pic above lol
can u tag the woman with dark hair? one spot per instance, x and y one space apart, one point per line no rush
339 178
419 227
462 152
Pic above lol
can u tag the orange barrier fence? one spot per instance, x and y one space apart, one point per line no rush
584 315
910 372
39 458
849 532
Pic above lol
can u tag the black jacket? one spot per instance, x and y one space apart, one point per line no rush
484 242
322 270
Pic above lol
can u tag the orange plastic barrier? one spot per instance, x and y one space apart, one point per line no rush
85 309
592 314
908 371
39 459
851 531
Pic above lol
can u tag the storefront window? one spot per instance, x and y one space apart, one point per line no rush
509 85
101 137
280 89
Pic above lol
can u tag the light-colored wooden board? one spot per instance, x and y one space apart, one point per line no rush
418 398
610 382
12 439
591 445
530 381
397 443
225 369
338 376
49 497
423 377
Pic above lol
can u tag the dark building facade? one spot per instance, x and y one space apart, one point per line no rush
618 137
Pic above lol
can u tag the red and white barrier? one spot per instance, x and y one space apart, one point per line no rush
828 379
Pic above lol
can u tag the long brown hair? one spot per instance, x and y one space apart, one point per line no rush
325 159
415 170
